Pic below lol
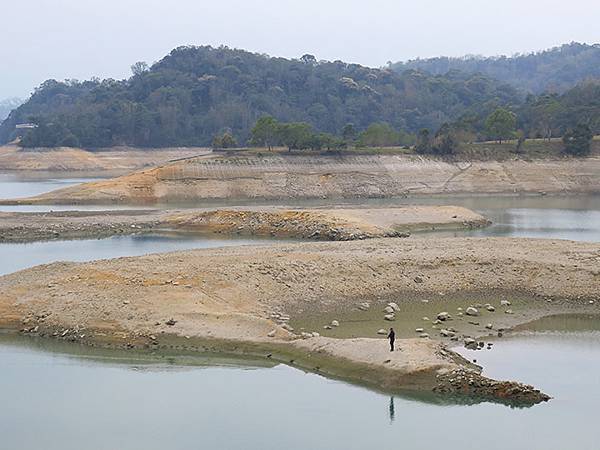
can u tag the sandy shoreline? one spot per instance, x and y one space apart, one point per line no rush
239 296
290 177
317 224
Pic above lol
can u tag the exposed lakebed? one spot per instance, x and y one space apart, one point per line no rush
156 401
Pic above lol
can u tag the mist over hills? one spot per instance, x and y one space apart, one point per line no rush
554 70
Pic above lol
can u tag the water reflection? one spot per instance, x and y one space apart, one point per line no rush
392 410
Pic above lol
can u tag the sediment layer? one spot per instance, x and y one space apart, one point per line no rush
276 177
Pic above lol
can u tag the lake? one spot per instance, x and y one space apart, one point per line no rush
64 396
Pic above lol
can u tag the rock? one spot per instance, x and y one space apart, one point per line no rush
470 343
508 311
419 330
327 327
443 316
388 310
471 311
271 333
504 303
171 322
287 327
335 323
490 308
423 335
305 335
389 317
489 326
418 280
426 319
315 334
447 333
364 306
382 331
394 306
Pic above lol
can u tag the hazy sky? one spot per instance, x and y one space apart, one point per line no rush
61 39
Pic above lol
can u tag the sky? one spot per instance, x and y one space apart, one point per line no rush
79 39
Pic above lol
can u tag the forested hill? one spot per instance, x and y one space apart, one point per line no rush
196 92
553 70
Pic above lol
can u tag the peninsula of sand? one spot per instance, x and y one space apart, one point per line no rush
243 300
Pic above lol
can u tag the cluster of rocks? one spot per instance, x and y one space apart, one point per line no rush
300 224
469 381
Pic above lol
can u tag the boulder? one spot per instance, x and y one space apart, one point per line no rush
394 306
388 310
443 316
419 330
335 323
489 326
504 303
471 311
382 331
490 308
389 317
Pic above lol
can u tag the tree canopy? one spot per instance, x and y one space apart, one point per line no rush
554 70
195 93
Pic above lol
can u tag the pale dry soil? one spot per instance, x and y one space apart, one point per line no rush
323 224
67 159
276 177
237 299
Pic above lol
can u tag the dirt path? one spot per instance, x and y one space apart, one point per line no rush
318 224
244 298
282 177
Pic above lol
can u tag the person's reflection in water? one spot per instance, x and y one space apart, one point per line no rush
392 410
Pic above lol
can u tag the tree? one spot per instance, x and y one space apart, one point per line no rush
264 132
295 135
349 133
379 135
445 142
501 124
578 140
139 68
226 140
423 145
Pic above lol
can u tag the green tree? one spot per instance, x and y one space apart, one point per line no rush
578 140
379 135
445 142
295 135
423 145
349 133
264 132
225 140
501 124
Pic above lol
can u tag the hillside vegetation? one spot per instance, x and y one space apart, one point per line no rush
195 93
553 70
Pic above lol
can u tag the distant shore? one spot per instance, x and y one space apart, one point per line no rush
282 178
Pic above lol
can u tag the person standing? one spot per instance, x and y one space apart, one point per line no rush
392 338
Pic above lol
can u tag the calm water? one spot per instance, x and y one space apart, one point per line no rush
575 218
107 400
15 257
62 396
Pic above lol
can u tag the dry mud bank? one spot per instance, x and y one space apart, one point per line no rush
276 177
67 159
320 224
243 298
